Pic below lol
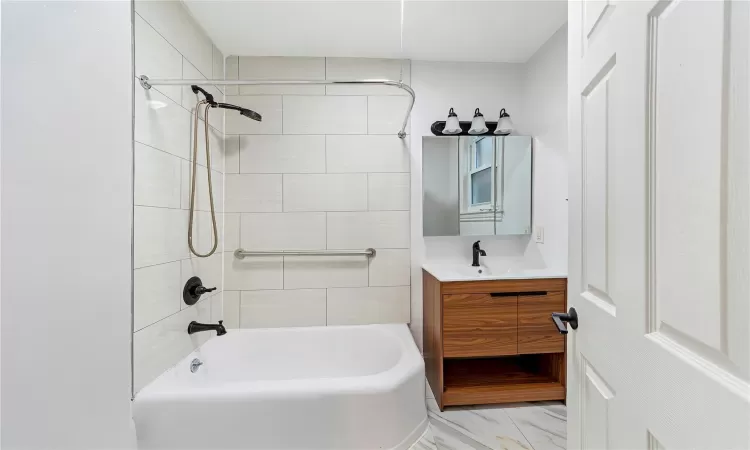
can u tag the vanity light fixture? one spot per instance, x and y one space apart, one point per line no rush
478 126
451 124
504 124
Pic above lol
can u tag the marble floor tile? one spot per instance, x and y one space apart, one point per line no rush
543 424
448 438
490 427
427 442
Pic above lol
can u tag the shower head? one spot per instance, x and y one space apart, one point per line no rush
249 113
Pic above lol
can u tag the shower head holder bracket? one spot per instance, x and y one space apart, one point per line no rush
143 79
209 98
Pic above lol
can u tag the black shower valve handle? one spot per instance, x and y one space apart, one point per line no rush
193 290
200 290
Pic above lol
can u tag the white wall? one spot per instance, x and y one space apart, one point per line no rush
66 225
169 44
323 170
534 94
545 117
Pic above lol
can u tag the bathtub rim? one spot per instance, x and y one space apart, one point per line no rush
165 387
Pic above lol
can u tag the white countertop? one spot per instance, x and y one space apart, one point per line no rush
465 272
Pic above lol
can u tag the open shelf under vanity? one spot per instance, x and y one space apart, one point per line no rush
504 379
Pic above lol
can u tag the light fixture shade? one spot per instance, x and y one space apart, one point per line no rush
504 124
478 126
451 124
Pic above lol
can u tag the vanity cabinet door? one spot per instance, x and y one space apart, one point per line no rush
480 325
536 331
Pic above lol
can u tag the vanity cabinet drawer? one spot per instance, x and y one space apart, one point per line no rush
480 325
536 331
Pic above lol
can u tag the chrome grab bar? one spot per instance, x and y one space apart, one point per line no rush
242 254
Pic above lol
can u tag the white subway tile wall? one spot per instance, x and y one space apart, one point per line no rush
325 192
388 191
363 305
288 231
253 193
169 44
280 308
381 114
324 170
232 309
355 154
253 273
280 68
282 154
320 114
268 106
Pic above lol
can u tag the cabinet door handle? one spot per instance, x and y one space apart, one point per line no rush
503 294
571 317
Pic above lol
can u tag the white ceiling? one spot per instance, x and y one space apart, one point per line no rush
448 30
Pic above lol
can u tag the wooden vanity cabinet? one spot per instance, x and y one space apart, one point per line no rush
479 325
494 341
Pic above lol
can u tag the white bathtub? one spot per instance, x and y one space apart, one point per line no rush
349 387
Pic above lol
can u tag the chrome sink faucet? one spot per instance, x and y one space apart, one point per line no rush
476 252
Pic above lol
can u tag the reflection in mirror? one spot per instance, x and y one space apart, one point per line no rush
477 169
440 186
514 186
476 185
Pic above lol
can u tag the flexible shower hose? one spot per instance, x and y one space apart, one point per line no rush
192 187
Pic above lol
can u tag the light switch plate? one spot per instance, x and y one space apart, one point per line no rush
539 234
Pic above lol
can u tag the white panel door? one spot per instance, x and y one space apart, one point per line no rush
660 225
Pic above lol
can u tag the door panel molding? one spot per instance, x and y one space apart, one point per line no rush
687 178
708 360
595 12
595 395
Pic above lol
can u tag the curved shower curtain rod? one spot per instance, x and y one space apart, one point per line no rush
146 83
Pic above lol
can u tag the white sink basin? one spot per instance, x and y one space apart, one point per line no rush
470 271
505 270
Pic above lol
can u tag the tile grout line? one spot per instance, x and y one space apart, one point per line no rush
182 277
213 294
172 45
519 429
162 263
176 156
239 310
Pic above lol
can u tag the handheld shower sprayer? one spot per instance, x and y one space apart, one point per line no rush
210 103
